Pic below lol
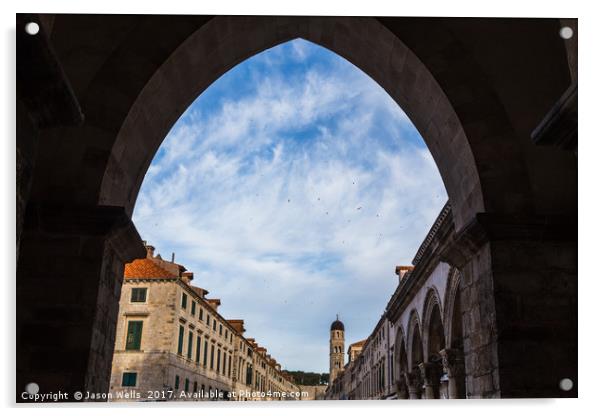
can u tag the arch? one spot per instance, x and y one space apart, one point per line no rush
433 330
400 362
453 311
414 341
377 52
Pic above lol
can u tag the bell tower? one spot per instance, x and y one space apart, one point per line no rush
337 349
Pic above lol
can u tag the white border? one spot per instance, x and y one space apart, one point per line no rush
590 68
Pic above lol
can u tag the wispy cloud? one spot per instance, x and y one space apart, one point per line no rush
294 199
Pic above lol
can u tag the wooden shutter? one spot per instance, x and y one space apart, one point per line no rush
134 335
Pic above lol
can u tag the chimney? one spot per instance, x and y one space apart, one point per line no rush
401 271
150 251
173 257
187 277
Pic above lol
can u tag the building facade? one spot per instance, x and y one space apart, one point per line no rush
418 348
173 344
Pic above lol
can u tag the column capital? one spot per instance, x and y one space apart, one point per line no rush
453 362
431 373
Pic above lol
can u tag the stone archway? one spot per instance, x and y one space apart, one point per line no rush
400 364
377 52
414 380
473 87
453 353
434 342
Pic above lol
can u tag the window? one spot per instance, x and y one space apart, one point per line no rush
181 340
186 385
214 323
219 356
177 382
184 300
205 353
208 318
129 379
189 350
200 314
134 335
193 308
198 349
138 295
196 387
220 329
212 355
249 377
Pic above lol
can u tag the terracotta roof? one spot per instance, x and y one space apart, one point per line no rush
146 269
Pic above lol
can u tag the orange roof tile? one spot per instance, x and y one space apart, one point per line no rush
145 269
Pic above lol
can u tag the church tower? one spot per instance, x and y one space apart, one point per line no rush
337 349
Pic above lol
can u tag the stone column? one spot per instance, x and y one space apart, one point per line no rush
453 365
518 292
69 278
414 383
431 374
402 387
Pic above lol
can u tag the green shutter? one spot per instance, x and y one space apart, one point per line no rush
184 300
189 351
181 340
198 349
138 294
129 379
134 335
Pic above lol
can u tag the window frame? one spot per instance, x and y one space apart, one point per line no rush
128 346
137 290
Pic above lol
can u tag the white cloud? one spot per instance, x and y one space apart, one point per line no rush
290 232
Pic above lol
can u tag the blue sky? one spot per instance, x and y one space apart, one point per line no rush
292 187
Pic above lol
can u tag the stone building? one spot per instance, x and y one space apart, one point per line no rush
355 350
422 346
171 338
